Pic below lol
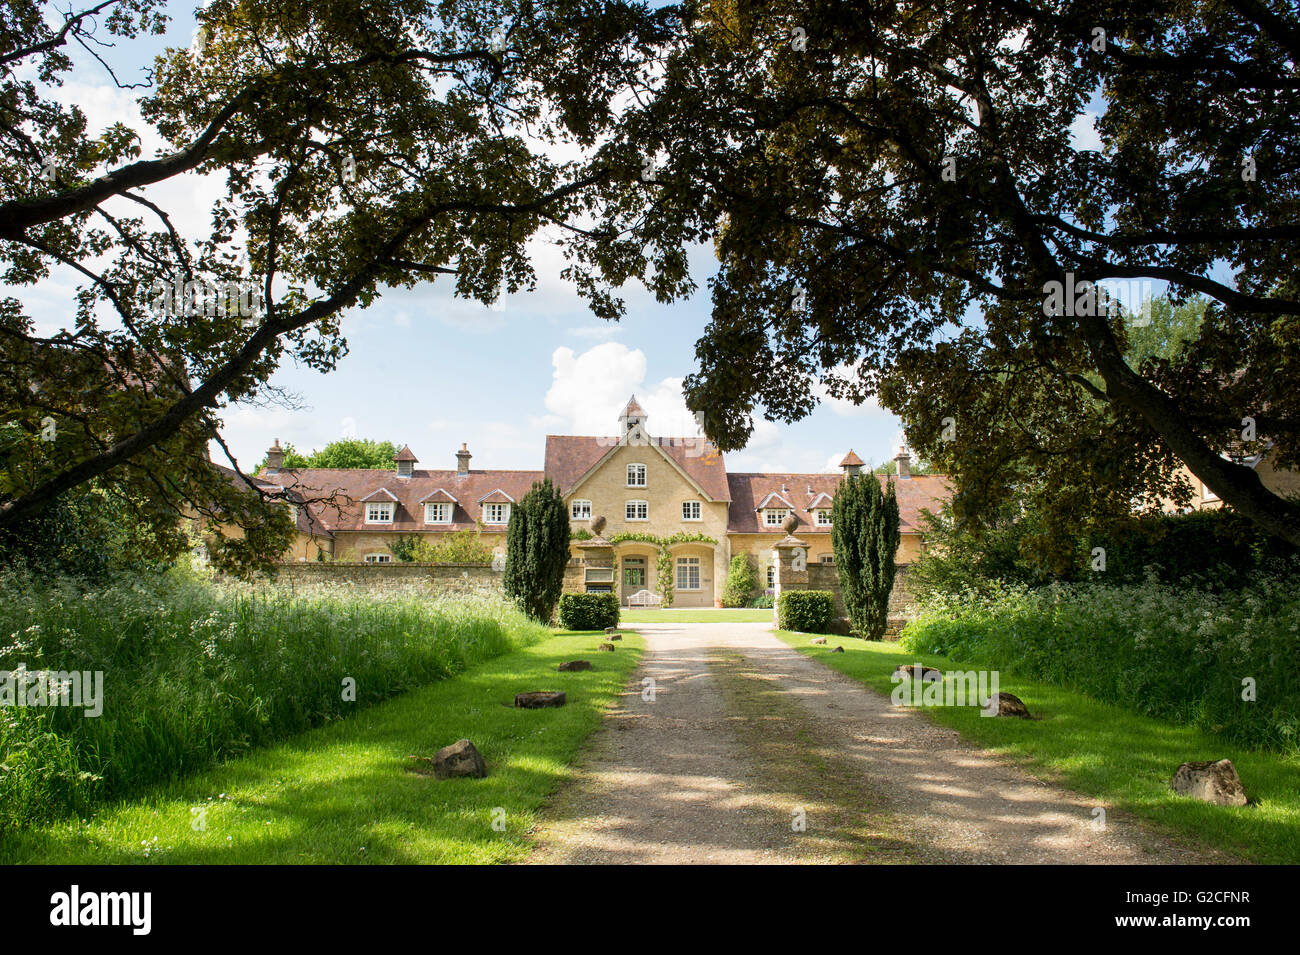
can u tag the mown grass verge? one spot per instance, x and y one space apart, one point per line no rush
190 674
1105 751
344 793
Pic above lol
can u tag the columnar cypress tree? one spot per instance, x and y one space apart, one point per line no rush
537 548
864 535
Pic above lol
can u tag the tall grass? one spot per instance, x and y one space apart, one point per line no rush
195 673
1173 652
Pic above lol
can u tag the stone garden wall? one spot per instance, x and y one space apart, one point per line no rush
437 577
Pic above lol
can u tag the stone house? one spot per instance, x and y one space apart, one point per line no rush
669 499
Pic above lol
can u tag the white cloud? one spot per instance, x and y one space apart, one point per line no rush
1083 133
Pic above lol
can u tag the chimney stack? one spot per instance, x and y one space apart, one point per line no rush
904 460
275 456
462 460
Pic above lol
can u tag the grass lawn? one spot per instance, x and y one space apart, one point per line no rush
1101 750
343 793
696 615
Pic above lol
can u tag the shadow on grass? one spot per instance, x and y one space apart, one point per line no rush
1105 751
344 793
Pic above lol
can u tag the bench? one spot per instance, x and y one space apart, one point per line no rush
644 598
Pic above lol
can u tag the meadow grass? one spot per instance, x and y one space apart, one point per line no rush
1104 750
194 674
345 793
696 615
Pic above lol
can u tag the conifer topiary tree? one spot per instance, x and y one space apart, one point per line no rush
864 535
537 548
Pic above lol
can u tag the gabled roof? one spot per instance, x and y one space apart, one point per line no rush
380 493
496 496
571 458
405 454
440 496
346 487
749 489
767 502
851 460
633 409
822 500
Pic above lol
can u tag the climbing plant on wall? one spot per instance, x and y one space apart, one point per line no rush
664 564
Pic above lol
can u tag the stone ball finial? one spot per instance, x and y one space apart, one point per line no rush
791 524
598 524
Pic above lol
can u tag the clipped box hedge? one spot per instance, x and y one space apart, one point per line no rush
588 611
807 611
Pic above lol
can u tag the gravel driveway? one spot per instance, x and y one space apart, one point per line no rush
748 752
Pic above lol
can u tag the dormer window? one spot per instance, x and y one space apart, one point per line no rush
774 516
823 517
437 512
636 475
580 511
379 512
496 513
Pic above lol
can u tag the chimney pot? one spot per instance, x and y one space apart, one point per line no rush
275 456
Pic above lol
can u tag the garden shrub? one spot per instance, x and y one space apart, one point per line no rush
807 611
1175 652
762 602
742 581
588 611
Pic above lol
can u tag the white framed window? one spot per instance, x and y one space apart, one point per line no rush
828 558
580 510
496 513
692 511
437 512
1207 494
378 558
823 517
688 573
636 475
774 516
637 511
379 512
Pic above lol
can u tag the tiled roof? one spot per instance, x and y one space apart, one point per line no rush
851 460
748 490
569 457
633 409
406 454
439 496
351 485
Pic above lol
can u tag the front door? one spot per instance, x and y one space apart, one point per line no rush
634 576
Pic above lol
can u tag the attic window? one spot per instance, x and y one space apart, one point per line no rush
636 475
379 512
437 512
823 517
496 513
775 516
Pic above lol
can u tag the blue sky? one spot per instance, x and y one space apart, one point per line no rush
431 371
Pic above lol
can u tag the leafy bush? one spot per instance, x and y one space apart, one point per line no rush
457 547
195 673
588 611
1175 652
742 581
807 611
762 602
